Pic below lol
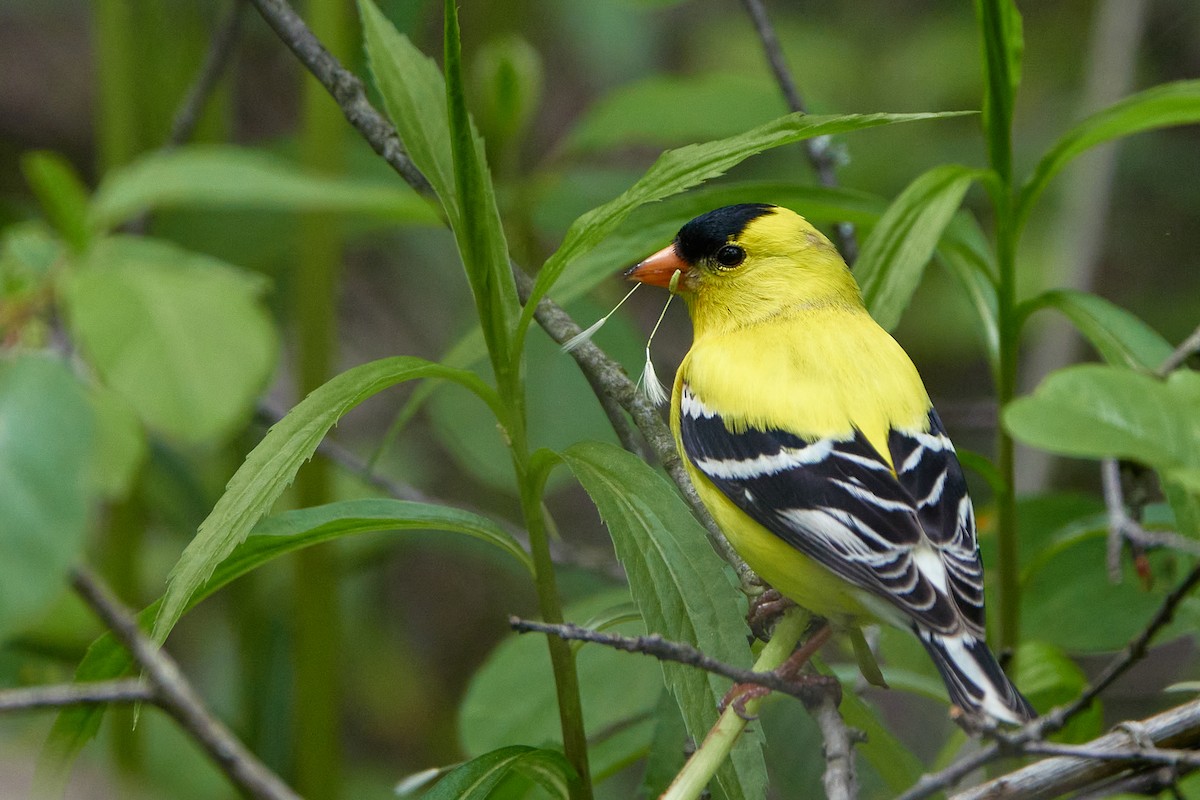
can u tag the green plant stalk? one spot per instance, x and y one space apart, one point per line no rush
704 763
117 143
531 477
998 131
116 69
1009 325
316 735
126 534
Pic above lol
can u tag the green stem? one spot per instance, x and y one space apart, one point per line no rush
1009 595
705 762
316 734
117 140
531 478
126 538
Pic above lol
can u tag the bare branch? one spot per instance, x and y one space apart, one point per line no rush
840 778
1185 350
664 650
820 155
177 697
1101 758
220 51
126 690
344 86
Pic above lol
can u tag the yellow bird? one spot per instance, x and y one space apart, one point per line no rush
812 441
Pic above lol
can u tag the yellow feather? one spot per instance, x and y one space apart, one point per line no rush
784 342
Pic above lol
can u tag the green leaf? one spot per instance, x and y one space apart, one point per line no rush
273 464
225 177
679 585
273 537
292 530
965 253
180 335
1159 107
476 779
477 225
677 170
1121 338
45 457
667 110
431 117
61 193
414 95
894 256
1098 411
1003 46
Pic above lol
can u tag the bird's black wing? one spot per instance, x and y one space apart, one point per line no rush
838 502
928 469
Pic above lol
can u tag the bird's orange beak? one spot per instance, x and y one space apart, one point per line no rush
659 269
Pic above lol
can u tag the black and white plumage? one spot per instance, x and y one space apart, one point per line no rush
902 529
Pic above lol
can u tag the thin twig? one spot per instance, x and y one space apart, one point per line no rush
1124 526
1186 349
820 154
177 697
665 650
840 777
345 87
124 690
1133 652
220 52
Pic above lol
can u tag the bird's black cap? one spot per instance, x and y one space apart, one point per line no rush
706 234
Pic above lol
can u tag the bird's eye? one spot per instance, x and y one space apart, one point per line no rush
730 255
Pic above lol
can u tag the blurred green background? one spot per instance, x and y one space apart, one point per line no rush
601 89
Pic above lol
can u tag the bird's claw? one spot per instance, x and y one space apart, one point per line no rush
765 611
737 697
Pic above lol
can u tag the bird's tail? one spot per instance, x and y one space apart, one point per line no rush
974 679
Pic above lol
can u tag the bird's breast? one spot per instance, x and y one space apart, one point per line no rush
824 373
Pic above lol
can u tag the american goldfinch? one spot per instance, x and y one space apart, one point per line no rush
812 441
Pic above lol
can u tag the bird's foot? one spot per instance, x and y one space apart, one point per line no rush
765 610
809 687
737 697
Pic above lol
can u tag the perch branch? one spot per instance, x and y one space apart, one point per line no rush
665 650
822 704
